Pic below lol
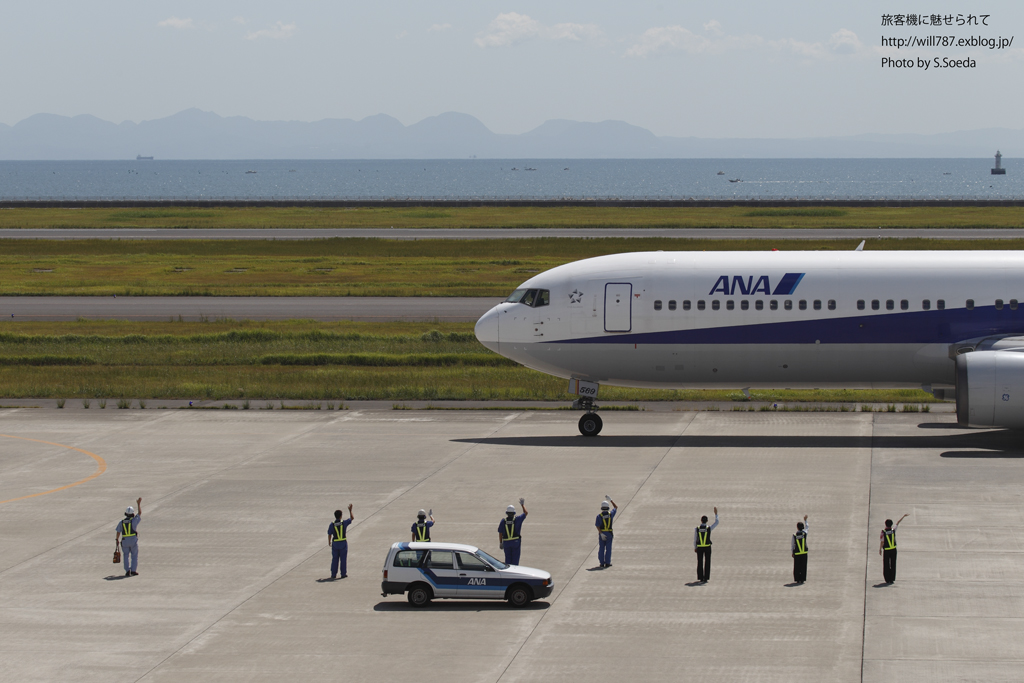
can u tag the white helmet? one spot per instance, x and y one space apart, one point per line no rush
604 505
510 508
421 513
130 510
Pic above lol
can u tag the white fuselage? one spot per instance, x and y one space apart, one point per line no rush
735 319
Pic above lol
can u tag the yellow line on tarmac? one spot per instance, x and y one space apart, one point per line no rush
100 469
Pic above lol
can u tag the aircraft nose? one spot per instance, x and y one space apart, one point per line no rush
487 329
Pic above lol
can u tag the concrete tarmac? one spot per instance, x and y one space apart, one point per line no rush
233 552
502 233
163 308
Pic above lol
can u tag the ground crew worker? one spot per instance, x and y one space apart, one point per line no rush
127 536
887 549
702 546
421 527
510 533
605 535
337 538
798 547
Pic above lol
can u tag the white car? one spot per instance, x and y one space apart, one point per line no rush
428 570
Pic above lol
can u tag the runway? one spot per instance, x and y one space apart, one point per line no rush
505 233
233 553
155 308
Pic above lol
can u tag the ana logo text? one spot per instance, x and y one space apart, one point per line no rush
478 582
749 285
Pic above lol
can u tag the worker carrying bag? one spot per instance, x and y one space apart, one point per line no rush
117 552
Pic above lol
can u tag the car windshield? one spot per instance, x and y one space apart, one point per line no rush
497 564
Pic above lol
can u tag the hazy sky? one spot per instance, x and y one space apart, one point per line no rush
711 69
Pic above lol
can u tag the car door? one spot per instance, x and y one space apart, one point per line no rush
439 566
477 579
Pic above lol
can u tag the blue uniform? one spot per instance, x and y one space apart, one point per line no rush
424 534
128 527
605 537
339 549
512 545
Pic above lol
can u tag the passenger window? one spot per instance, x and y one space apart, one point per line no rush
686 304
999 304
440 559
890 305
904 305
803 304
759 305
472 562
657 304
730 304
715 304
831 304
940 304
817 304
700 305
860 304
970 304
409 558
543 298
788 305
1013 304
744 304
774 305
926 305
874 304
672 304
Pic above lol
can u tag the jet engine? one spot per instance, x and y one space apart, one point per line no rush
990 385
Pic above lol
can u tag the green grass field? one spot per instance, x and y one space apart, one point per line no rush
518 217
303 360
344 267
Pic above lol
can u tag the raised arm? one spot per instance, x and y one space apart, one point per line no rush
900 520
351 517
138 502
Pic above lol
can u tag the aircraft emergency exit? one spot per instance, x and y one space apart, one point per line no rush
947 322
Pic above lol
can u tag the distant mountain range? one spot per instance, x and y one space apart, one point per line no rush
196 134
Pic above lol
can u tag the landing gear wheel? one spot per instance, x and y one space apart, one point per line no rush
590 424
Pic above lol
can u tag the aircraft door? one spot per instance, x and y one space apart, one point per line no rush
618 307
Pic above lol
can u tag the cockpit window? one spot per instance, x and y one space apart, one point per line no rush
530 297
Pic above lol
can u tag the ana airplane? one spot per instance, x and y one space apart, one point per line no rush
947 322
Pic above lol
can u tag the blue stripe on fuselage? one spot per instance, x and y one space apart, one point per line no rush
919 327
787 285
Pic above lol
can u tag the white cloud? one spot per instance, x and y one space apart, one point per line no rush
439 27
664 39
239 20
401 35
175 22
512 28
278 31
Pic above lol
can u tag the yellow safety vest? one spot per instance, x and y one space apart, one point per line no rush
606 522
127 528
339 531
702 539
422 530
890 539
509 530
801 544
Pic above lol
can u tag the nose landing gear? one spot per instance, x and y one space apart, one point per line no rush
590 423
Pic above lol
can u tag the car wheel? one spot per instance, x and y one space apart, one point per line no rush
590 424
519 595
419 595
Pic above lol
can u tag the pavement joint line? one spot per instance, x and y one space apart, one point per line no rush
867 552
319 548
101 467
639 488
